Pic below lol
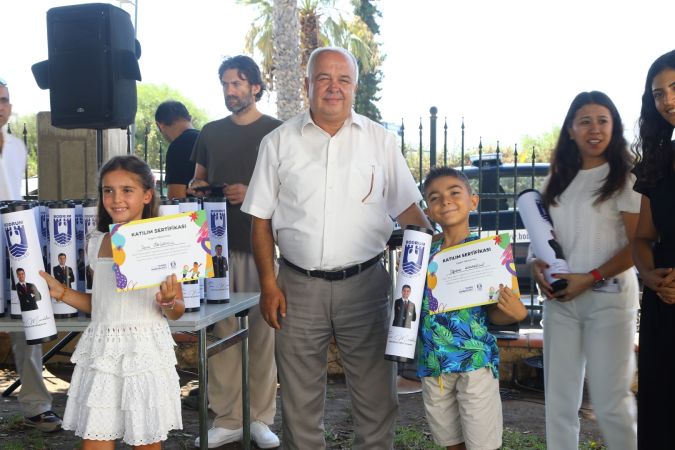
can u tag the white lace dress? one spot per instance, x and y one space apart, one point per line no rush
125 384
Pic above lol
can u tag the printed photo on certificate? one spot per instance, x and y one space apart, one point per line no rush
471 274
147 251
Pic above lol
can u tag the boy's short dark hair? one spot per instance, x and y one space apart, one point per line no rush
438 172
170 111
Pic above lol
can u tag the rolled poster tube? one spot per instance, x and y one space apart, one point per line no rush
542 236
89 217
168 207
25 256
4 269
410 282
79 241
218 287
63 252
191 289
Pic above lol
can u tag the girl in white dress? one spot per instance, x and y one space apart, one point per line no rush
125 384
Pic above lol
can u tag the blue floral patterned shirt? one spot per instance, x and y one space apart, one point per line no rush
455 341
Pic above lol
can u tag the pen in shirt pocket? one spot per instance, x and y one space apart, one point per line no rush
372 181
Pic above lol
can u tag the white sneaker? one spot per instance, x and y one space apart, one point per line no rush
221 436
263 436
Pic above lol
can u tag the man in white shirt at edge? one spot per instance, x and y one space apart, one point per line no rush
325 186
34 398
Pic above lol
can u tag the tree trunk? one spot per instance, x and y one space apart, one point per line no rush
286 59
309 40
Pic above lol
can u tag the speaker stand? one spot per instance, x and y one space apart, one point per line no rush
99 149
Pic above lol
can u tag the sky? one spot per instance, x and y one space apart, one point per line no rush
509 68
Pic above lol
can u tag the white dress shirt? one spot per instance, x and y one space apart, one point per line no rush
331 199
12 167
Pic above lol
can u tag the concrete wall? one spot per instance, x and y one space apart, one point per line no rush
67 159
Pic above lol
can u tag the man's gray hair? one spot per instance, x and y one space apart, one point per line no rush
315 54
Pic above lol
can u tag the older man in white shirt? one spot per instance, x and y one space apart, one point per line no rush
326 186
34 398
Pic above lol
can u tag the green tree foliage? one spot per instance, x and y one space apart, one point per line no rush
259 38
369 80
29 123
149 97
542 145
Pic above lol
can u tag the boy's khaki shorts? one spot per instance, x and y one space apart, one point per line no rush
468 409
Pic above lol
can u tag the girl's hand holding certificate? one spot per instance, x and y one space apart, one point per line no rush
168 289
169 298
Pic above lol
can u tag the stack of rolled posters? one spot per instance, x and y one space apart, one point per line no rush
191 290
542 237
63 251
25 255
89 217
410 282
218 287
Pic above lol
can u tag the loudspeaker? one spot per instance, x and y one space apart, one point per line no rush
92 67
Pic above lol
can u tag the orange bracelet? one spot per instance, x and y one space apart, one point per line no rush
63 294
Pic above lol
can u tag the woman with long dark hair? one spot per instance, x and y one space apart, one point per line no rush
654 254
589 325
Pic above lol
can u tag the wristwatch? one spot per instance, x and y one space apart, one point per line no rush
597 276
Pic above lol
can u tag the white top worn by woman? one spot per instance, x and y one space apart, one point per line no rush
125 385
591 234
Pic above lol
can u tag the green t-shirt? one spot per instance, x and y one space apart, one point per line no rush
228 152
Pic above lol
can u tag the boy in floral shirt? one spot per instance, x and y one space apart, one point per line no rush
458 358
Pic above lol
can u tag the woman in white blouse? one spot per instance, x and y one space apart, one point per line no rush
589 325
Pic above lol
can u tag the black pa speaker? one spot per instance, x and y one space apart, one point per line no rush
92 67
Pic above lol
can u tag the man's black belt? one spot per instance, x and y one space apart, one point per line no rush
334 275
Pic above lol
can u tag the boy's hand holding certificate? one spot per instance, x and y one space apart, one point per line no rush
146 251
471 274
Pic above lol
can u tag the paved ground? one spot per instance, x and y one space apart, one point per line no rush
523 411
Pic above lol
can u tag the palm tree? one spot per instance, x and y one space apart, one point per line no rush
259 37
319 24
286 57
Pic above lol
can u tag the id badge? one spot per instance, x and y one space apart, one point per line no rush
610 286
